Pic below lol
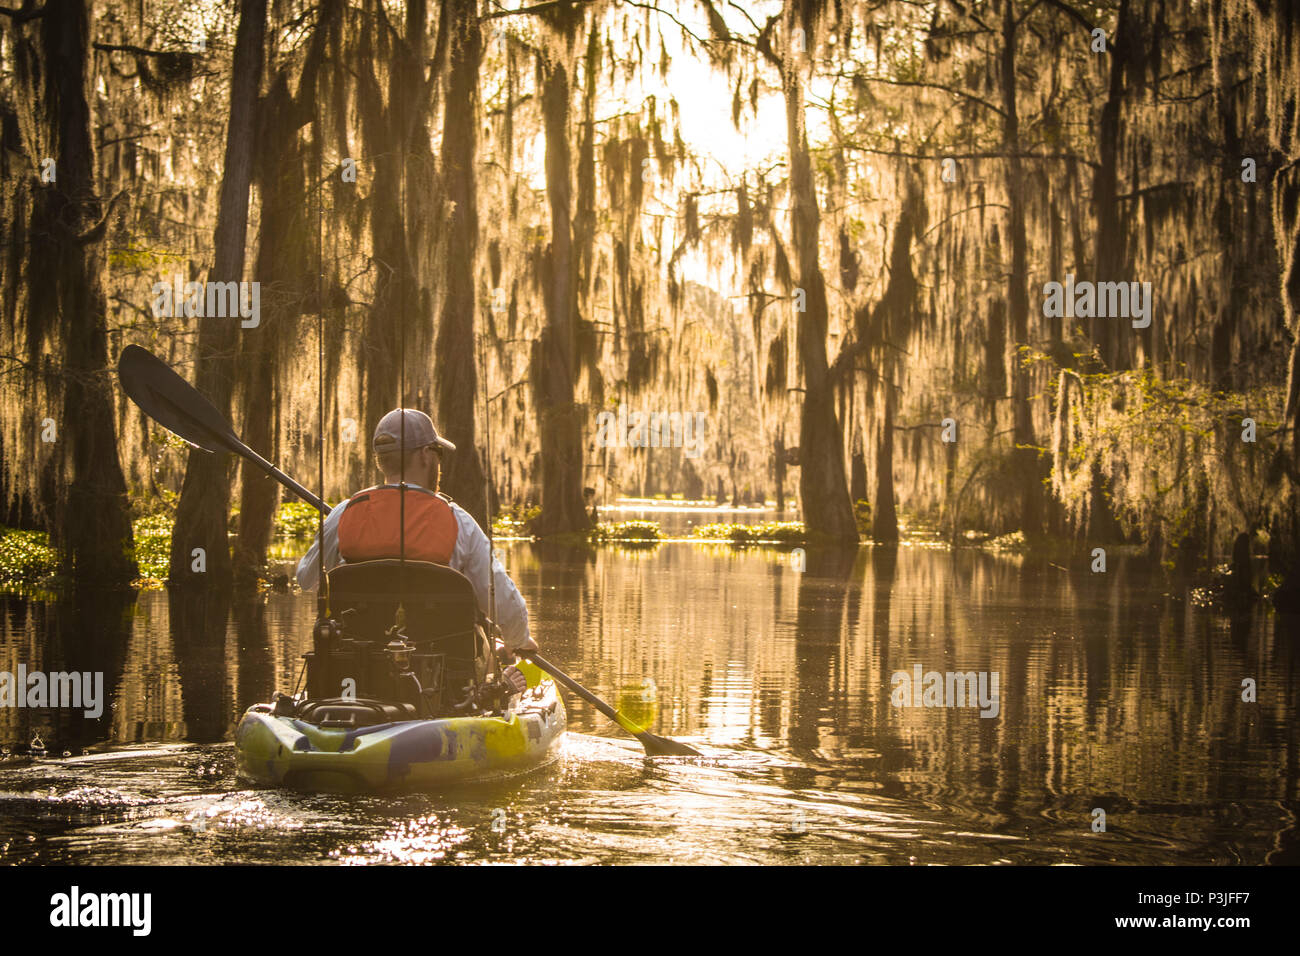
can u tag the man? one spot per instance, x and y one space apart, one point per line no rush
367 526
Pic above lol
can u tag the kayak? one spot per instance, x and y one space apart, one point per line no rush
289 751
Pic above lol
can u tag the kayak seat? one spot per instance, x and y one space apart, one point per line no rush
346 714
442 612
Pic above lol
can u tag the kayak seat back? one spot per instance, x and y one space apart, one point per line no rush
347 713
442 612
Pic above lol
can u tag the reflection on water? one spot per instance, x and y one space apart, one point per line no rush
1115 693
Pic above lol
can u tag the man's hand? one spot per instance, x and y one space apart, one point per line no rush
515 678
528 645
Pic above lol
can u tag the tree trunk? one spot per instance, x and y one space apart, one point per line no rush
858 473
202 514
380 342
584 221
281 268
258 492
1108 255
884 518
92 526
823 485
284 266
1277 33
1028 469
554 355
389 129
458 384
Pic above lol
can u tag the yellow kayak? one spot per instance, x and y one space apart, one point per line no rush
288 751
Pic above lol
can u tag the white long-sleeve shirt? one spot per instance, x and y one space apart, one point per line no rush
471 557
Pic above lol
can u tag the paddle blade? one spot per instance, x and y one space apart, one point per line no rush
172 402
656 746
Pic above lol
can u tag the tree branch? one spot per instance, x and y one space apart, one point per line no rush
96 232
994 154
929 86
25 13
1155 188
141 51
535 8
1074 14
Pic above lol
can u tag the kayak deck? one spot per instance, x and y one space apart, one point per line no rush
412 754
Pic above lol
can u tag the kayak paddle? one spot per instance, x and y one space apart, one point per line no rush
655 746
180 408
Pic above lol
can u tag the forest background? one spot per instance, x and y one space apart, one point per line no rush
828 227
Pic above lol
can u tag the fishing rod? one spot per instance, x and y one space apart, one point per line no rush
487 486
399 616
322 588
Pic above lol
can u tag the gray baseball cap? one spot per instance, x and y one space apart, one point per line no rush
419 431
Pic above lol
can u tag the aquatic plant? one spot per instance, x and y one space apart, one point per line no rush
26 557
153 537
296 519
513 522
784 532
626 531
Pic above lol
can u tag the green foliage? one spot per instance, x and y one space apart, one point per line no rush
164 439
26 558
1170 451
862 513
153 542
140 259
296 519
513 522
781 532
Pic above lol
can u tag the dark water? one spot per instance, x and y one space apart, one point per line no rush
1115 692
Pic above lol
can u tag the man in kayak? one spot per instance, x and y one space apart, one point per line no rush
368 525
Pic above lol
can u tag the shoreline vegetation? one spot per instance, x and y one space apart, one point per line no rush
30 565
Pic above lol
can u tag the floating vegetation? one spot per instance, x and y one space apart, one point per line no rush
153 543
765 532
1014 542
296 519
862 515
26 558
513 522
627 531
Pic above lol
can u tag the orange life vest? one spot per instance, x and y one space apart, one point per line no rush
369 526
